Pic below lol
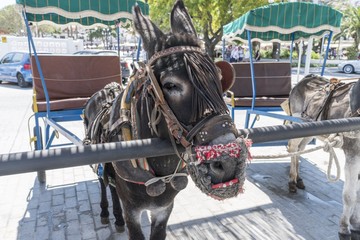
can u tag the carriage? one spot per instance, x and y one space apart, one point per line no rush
70 80
261 87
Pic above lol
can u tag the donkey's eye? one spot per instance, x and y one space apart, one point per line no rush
170 86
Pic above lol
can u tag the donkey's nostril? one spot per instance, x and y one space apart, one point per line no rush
216 166
221 171
217 171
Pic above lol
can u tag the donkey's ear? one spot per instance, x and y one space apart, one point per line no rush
180 20
148 31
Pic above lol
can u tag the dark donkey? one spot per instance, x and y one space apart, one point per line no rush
317 98
176 96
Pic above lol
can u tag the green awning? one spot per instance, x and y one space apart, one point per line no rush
278 22
84 12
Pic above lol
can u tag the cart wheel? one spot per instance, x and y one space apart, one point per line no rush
41 175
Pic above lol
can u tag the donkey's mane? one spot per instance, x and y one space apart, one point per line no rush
201 70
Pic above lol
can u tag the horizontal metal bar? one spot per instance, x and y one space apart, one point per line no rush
14 163
54 158
298 130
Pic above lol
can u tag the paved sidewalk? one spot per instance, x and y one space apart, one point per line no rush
68 206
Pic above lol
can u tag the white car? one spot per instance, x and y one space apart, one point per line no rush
349 66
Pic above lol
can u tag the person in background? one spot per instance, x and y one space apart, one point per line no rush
247 56
241 54
257 55
228 53
277 54
234 55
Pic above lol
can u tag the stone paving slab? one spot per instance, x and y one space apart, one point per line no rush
67 207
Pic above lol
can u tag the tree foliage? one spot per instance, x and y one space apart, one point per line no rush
10 20
209 16
350 26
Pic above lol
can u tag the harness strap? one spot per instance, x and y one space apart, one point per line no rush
172 50
124 119
165 179
198 127
136 79
325 105
155 119
173 124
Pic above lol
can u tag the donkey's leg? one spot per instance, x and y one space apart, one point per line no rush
355 217
104 204
159 219
351 171
295 181
117 211
293 146
133 222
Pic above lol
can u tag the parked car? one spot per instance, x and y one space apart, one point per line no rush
349 66
124 65
15 67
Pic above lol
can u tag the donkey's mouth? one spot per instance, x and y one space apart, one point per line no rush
219 170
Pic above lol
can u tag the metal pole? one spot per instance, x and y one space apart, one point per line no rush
54 158
253 82
308 56
298 130
291 47
14 163
31 41
299 60
223 49
118 36
326 54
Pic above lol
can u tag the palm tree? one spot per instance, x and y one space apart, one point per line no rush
350 26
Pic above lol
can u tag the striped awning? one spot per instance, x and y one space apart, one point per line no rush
84 12
282 22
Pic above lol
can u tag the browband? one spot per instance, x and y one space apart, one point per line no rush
172 50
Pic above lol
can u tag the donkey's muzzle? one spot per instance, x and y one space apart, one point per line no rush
219 170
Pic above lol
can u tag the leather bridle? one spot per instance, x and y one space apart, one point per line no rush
177 130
